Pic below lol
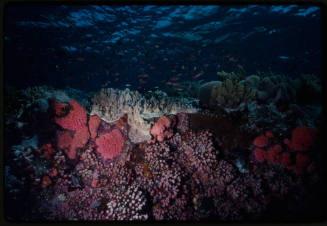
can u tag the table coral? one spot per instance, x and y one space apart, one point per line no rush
112 104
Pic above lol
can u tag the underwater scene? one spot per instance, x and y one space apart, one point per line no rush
163 112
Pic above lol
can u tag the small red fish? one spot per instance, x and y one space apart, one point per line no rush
233 59
240 66
142 81
175 78
172 83
152 67
197 75
80 59
191 57
179 88
142 75
205 65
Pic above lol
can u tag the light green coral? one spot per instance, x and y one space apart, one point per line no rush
231 93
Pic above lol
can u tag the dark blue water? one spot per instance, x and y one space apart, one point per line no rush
90 47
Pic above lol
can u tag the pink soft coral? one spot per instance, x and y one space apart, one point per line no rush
161 129
111 144
76 121
76 118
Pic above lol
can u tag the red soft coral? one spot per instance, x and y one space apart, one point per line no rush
259 155
285 159
302 138
272 154
302 160
76 118
111 144
269 134
260 141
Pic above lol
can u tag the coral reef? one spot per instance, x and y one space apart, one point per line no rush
111 104
198 166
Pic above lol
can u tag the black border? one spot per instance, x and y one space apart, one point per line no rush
321 3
